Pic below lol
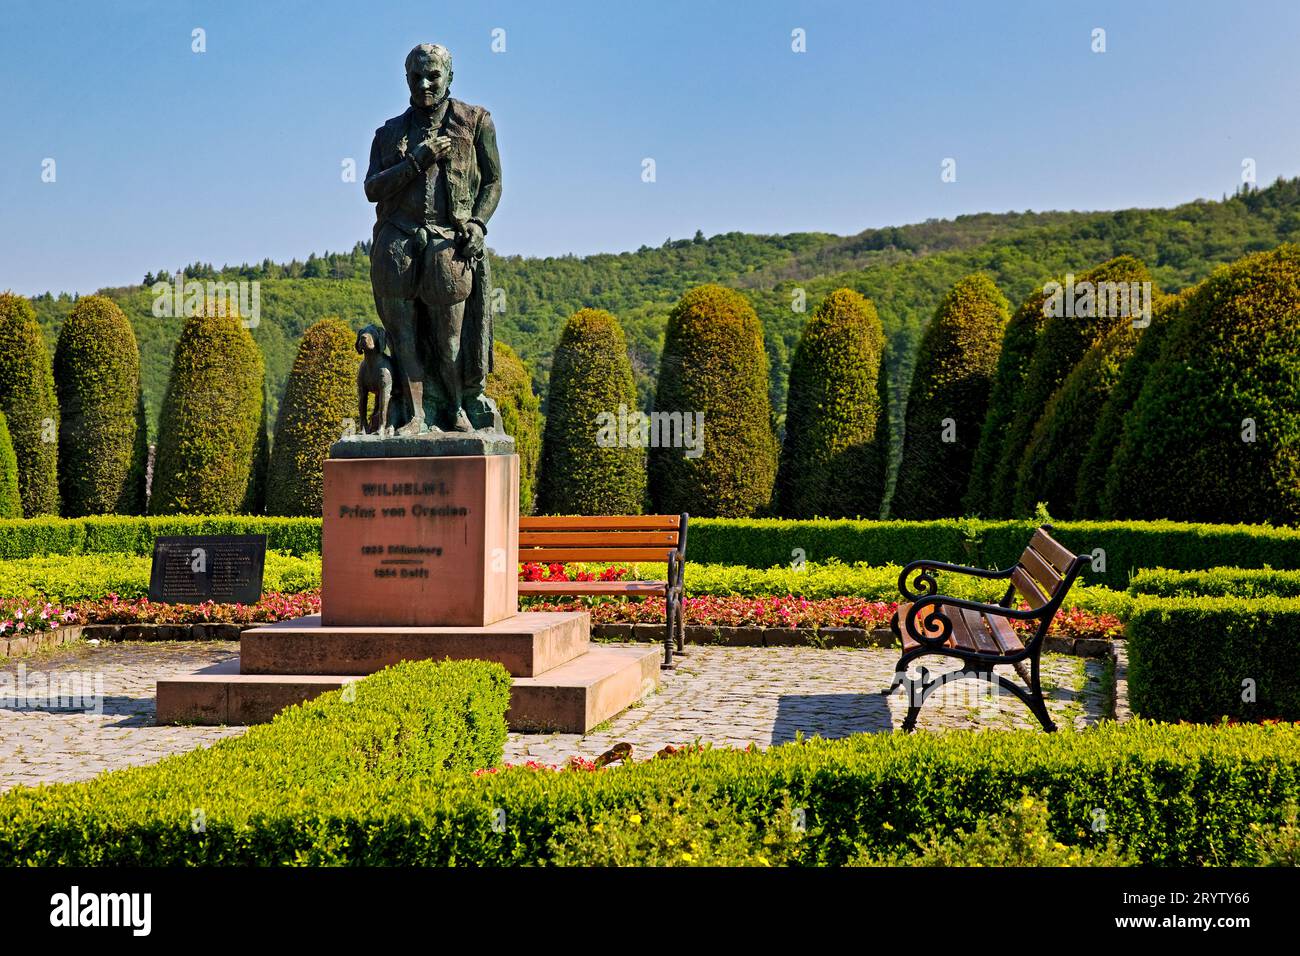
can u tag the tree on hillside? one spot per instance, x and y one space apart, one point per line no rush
511 387
593 460
836 424
1215 433
213 411
713 374
949 397
102 435
319 402
1068 333
27 402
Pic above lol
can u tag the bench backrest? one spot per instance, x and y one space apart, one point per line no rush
628 538
1045 572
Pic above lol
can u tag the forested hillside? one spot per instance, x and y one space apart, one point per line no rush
905 270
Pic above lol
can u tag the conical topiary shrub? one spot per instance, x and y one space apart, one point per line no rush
320 399
1018 343
511 387
11 503
1215 433
713 372
949 396
591 466
212 414
102 443
27 401
1067 336
837 417
1109 427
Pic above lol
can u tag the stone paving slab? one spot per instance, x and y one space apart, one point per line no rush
719 695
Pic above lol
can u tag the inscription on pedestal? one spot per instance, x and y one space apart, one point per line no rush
420 541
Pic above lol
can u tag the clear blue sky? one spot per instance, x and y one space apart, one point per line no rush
165 156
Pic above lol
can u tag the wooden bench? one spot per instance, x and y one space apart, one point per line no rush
624 538
981 635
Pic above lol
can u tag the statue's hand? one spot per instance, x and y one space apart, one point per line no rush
472 245
431 149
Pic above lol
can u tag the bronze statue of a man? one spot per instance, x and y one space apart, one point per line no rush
435 178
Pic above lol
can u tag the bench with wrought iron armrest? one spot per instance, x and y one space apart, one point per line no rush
981 636
612 538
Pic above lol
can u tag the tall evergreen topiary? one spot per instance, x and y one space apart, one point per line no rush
837 418
1067 335
11 503
511 387
102 447
954 371
1018 342
591 466
1215 433
1109 426
213 411
320 398
27 401
713 365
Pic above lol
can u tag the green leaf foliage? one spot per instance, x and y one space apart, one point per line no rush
27 401
102 439
11 503
319 400
1065 339
588 467
954 374
1109 427
1205 658
1217 582
1215 432
714 366
511 387
213 423
836 422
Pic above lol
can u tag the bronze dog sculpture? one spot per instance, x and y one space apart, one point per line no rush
374 377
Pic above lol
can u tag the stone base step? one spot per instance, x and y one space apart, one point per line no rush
571 698
527 644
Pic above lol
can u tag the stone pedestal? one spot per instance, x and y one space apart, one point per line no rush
420 559
420 542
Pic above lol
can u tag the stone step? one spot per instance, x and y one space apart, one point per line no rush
527 644
571 698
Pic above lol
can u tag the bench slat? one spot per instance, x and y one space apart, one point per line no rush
1028 588
1007 639
961 633
620 539
592 587
547 555
1051 549
1040 571
979 631
600 522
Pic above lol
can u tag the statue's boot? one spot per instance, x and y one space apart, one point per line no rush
416 425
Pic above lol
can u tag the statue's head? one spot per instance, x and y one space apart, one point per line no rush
428 74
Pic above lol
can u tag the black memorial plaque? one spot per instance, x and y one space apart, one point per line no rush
192 569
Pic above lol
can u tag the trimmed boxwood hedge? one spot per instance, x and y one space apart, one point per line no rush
103 440
27 401
954 371
135 535
1217 582
591 378
1172 795
511 387
11 503
1204 658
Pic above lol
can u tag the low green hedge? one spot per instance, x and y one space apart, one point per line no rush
411 722
1167 794
1203 658
64 579
1217 582
25 538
